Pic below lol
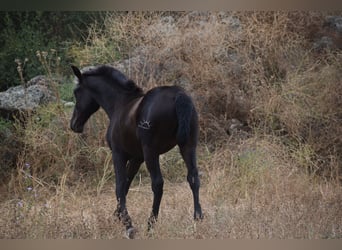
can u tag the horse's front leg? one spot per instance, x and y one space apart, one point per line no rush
121 212
132 169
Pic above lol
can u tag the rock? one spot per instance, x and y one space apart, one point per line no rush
232 22
323 42
40 79
10 147
329 36
69 104
195 18
20 98
167 19
334 23
238 129
233 126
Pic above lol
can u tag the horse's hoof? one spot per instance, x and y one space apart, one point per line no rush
116 215
130 233
198 216
151 221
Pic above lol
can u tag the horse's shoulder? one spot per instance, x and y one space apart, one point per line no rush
133 108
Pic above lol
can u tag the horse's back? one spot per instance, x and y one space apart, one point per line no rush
159 102
157 118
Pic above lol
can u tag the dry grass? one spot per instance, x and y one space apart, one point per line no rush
253 192
280 180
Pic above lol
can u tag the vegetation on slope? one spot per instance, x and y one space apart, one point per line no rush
281 178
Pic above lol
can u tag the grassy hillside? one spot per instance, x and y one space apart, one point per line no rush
279 176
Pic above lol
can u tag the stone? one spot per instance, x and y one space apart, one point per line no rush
334 23
330 34
40 79
21 98
323 42
68 104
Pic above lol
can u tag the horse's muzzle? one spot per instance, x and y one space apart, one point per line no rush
75 127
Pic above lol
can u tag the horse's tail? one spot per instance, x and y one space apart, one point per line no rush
184 111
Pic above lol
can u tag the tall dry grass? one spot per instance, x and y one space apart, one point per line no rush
254 191
281 179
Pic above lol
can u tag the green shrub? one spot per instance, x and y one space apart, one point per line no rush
24 33
66 91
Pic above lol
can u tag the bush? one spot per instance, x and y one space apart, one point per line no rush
258 67
9 148
24 33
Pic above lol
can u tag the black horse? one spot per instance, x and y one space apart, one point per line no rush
142 127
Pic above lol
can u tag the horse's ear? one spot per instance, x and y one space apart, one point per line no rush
77 72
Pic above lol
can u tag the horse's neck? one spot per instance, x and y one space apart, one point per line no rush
107 101
115 103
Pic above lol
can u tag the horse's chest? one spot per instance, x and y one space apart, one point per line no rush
124 137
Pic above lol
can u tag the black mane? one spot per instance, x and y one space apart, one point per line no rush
114 76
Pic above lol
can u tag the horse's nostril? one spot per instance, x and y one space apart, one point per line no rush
75 127
72 124
78 129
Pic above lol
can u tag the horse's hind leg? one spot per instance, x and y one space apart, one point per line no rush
189 155
152 163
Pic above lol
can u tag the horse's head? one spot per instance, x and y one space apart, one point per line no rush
85 103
